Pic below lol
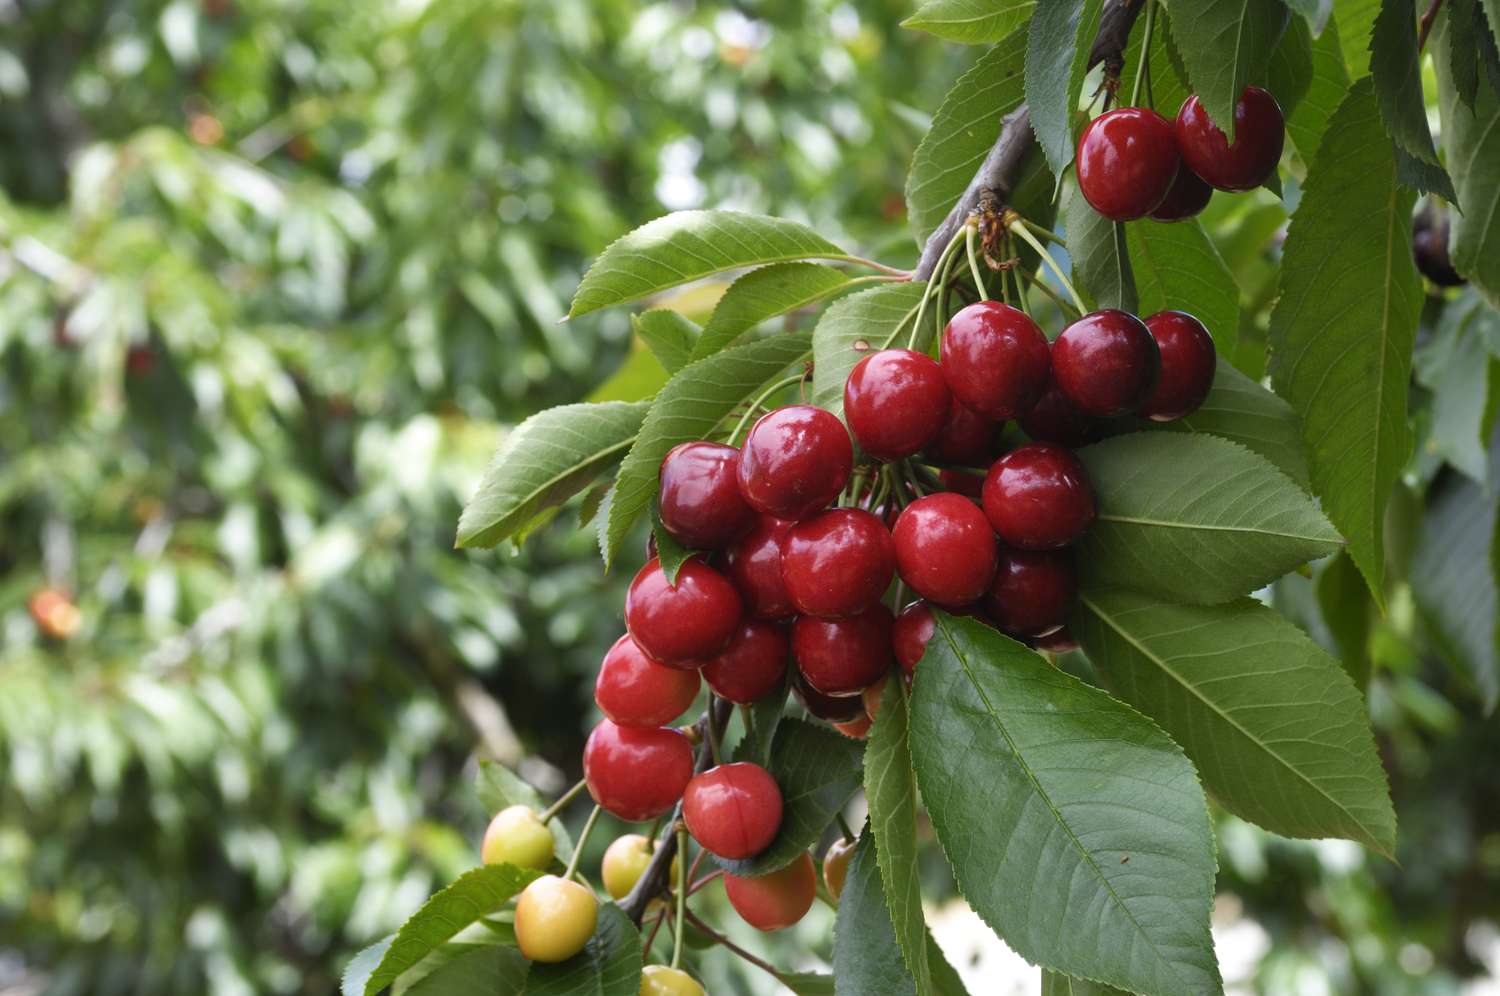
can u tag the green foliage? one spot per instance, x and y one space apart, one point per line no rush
1472 138
866 956
671 337
878 318
1225 45
1057 54
609 965
891 791
765 293
1396 71
1177 267
1239 409
1102 271
971 22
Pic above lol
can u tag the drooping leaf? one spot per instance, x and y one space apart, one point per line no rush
1325 90
1276 728
1101 260
855 326
671 553
761 720
609 965
1395 67
497 788
687 245
1057 53
1455 366
891 790
1226 45
1347 613
1176 266
670 337
543 462
1076 829
971 22
765 293
1472 140
1058 984
1342 331
867 959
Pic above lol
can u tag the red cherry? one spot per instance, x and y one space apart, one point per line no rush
1259 132
795 461
777 900
1189 195
733 810
910 633
842 656
753 664
838 563
833 708
895 402
995 359
1055 419
1187 365
1059 641
1106 363
967 438
753 563
945 549
700 500
1429 248
691 621
1033 591
1038 497
634 772
962 482
1127 160
634 690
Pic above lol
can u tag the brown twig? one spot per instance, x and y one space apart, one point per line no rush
1424 26
719 938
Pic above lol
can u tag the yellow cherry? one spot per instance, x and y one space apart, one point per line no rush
517 836
625 862
554 919
659 980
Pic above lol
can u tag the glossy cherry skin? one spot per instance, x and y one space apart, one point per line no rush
910 633
1106 363
1059 641
733 810
1189 196
753 565
1259 132
625 861
752 666
1034 591
832 708
838 563
795 461
1188 360
843 656
774 901
517 836
636 773
945 549
836 866
966 439
895 402
661 980
634 690
689 622
554 919
700 500
1038 497
1127 160
1055 419
995 359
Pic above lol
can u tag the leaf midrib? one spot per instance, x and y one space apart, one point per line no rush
1210 527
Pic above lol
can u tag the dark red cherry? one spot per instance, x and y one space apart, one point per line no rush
1059 641
945 549
795 461
676 625
910 633
1038 497
995 359
1033 591
753 563
753 664
837 563
1429 247
895 402
733 810
966 439
1127 160
1105 363
634 772
634 690
833 708
1055 419
842 656
1189 195
700 499
962 482
1248 162
1187 365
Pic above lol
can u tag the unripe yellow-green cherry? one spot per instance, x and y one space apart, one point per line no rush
554 919
836 866
517 836
659 980
625 862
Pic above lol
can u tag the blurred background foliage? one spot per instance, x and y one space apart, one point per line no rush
275 277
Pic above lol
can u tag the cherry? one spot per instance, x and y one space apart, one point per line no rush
1259 132
733 810
838 563
1059 641
895 401
961 482
1429 247
686 622
700 500
857 728
1189 195
1038 496
910 633
625 861
554 919
634 690
636 773
995 359
843 656
753 664
833 708
517 836
1033 591
1106 363
870 697
795 461
777 900
945 549
1127 160
1055 419
753 563
967 438
836 866
660 980
1187 365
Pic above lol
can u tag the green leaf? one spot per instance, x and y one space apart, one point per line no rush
808 983
688 245
855 326
762 294
971 22
1169 87
543 462
671 553
1316 12
609 965
694 401
817 771
1342 331
1176 266
866 956
1076 829
670 336
1275 726
1356 26
497 788
1454 365
891 790
1058 984
459 969
1289 76
1057 53
1101 260
1347 614
761 719
637 378
1330 81
1472 140
1194 518
1395 66
357 973
1226 45
1463 47
963 129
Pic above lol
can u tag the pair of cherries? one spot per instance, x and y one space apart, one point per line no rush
1133 163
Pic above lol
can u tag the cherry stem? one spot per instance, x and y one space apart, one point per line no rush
1043 232
1145 57
872 264
755 405
705 881
932 285
681 892
969 238
719 938
1031 240
562 801
713 732
1042 286
651 938
583 838
844 828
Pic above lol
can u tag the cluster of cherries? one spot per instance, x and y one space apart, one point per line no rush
1134 163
